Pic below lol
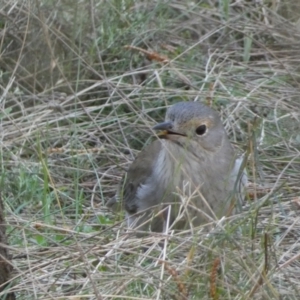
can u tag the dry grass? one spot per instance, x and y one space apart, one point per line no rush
77 105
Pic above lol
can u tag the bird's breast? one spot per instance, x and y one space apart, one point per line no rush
176 166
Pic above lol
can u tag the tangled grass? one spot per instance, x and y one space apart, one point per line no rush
82 83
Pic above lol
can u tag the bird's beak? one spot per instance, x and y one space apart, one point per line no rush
165 130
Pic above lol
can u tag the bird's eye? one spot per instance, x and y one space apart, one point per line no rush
200 130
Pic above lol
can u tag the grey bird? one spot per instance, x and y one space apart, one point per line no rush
188 177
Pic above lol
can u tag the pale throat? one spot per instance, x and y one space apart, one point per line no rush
176 162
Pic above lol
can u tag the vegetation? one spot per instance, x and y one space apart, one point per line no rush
82 82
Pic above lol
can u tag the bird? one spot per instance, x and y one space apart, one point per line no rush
189 176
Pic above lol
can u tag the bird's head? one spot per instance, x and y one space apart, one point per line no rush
192 124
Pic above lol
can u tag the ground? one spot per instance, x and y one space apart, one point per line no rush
83 82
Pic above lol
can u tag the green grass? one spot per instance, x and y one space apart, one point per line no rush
76 108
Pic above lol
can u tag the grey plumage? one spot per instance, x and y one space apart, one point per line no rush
193 154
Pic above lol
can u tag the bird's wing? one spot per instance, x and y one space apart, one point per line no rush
240 177
139 171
